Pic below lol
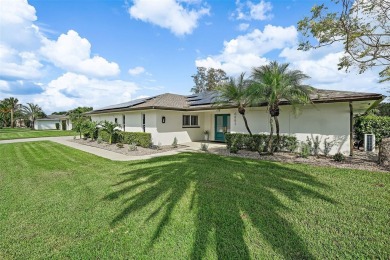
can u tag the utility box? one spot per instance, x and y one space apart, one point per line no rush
369 143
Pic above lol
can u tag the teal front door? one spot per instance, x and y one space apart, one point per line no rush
222 126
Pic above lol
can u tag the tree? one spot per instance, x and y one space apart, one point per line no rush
60 113
362 26
208 79
235 92
4 113
275 82
32 111
384 109
78 118
110 128
13 105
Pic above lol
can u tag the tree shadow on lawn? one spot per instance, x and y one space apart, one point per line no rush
226 193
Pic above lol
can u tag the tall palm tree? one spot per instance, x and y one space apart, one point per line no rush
32 111
235 92
13 105
274 83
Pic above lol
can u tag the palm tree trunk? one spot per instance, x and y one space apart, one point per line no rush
12 118
277 131
270 140
246 125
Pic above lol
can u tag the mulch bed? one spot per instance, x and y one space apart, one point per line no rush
125 150
361 160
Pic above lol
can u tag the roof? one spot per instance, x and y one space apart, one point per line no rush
205 100
54 117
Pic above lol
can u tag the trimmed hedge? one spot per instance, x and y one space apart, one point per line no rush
258 142
139 138
377 125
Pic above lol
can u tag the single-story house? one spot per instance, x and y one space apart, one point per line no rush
168 116
49 123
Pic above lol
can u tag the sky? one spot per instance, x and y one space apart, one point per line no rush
62 54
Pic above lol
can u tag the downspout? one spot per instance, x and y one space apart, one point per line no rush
350 129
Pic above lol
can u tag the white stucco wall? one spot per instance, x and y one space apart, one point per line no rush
46 124
328 121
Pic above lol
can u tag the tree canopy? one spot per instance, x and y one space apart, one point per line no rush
208 79
362 26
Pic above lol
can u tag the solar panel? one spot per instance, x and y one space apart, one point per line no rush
204 98
126 104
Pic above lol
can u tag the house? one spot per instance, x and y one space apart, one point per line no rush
49 123
168 116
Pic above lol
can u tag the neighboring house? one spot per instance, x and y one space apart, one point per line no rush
168 116
50 121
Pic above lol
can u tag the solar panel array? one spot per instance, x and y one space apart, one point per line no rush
126 104
204 98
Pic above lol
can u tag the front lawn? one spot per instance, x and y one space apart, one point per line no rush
57 202
18 133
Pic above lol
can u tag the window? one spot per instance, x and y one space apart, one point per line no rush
143 122
189 121
124 122
116 120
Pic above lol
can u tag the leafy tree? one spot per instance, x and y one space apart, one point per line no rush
362 26
275 82
32 112
208 79
235 92
78 118
60 113
13 105
110 128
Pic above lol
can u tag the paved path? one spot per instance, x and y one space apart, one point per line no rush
66 140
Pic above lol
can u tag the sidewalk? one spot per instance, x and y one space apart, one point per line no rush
66 140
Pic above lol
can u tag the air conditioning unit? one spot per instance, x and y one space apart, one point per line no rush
369 143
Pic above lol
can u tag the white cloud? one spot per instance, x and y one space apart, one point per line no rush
73 53
136 71
243 26
246 51
251 11
71 90
169 14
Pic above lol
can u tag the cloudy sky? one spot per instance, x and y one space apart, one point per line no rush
67 53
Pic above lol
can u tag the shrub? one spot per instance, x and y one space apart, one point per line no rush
371 124
258 142
204 147
119 145
304 150
58 126
174 143
99 140
339 157
139 138
132 147
327 146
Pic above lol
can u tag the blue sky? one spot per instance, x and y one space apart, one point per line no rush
67 53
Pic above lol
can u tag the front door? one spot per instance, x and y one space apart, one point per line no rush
222 126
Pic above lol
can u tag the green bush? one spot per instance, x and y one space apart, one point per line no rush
339 157
258 142
138 138
371 124
58 126
305 150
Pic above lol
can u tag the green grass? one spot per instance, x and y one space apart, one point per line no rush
18 133
57 202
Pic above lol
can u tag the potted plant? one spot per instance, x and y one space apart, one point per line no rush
206 135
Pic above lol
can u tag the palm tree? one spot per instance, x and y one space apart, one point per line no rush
32 111
235 92
4 111
12 105
110 128
274 83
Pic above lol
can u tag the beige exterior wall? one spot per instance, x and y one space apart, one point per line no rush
328 121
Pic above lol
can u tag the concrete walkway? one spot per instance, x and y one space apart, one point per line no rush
67 141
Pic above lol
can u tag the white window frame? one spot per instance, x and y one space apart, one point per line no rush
190 121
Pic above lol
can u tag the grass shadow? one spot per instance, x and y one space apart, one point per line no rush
226 193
